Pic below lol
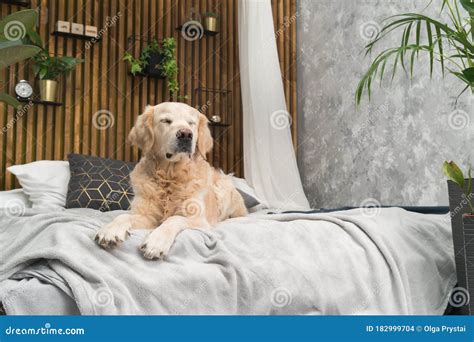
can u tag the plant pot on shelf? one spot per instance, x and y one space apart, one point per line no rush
153 67
48 90
210 23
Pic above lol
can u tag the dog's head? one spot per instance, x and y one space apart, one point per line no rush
171 131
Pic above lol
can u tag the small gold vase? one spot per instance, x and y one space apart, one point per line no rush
48 90
210 24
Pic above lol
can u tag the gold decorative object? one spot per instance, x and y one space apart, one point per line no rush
210 24
48 90
216 118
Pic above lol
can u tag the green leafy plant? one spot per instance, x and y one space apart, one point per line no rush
455 174
137 65
168 64
47 67
16 36
451 45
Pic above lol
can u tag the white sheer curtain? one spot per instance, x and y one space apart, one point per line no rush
269 159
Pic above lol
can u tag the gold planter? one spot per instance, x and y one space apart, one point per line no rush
48 90
210 24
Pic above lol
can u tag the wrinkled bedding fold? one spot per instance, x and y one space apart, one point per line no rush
348 262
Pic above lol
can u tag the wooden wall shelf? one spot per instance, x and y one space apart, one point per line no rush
147 75
41 102
218 124
74 36
16 3
206 32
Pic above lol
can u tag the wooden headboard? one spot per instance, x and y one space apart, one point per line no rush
103 82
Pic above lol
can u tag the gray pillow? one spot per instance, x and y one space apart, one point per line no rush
99 183
249 201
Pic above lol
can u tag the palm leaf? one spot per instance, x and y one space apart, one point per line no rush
469 74
9 100
468 6
439 42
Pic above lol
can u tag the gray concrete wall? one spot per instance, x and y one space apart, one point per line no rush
391 149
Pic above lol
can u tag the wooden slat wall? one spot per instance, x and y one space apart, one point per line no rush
102 83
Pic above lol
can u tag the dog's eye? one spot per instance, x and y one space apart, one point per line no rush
191 123
166 121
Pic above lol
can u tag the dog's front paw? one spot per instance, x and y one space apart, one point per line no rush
157 244
111 235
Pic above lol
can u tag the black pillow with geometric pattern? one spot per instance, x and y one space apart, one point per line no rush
99 183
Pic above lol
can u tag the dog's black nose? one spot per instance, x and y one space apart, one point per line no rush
184 134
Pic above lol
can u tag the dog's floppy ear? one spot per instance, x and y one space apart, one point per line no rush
204 141
142 134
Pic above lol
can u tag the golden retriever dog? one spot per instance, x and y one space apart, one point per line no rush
175 187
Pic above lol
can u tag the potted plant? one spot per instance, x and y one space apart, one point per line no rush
48 69
451 45
157 60
14 43
461 198
210 21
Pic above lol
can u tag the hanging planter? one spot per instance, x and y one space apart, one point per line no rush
153 66
157 61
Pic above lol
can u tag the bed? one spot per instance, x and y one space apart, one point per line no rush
355 261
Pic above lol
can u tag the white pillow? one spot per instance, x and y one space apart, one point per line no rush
45 182
14 199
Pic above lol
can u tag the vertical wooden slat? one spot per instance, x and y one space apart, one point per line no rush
153 34
86 85
137 80
113 85
10 119
146 36
68 83
129 24
59 112
49 11
122 69
77 83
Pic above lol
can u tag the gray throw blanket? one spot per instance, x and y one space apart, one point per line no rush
348 262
